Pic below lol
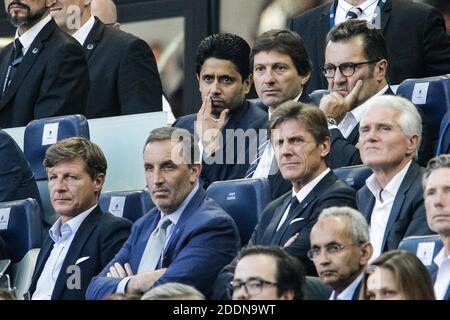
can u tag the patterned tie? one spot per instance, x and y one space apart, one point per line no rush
154 247
252 168
354 13
16 59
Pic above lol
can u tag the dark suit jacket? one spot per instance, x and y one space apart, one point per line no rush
418 45
329 192
433 268
204 241
3 250
123 74
52 79
232 166
99 237
407 216
16 178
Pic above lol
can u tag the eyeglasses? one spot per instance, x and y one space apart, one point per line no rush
252 287
330 249
347 68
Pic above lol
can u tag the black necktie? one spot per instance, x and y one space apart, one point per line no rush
16 59
279 233
354 13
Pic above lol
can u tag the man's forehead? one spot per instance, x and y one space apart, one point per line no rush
271 57
439 177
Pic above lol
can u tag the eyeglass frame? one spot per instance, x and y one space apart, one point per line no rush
262 283
341 247
345 64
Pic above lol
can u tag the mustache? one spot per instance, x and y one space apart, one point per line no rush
19 4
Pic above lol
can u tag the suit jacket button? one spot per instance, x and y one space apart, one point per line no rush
90 46
35 50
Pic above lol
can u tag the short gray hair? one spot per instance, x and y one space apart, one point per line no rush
409 120
173 291
438 162
359 229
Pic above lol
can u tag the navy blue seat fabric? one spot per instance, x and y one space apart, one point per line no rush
317 95
354 176
244 200
412 243
131 204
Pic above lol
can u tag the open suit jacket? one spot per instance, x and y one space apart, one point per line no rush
52 79
204 240
407 216
433 268
99 237
123 74
249 116
329 192
418 45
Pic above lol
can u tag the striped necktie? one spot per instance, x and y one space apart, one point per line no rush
252 168
354 13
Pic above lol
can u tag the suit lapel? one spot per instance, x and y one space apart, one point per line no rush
324 27
94 36
354 135
385 15
269 235
40 263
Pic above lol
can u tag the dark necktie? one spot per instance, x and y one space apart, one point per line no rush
354 13
16 59
279 233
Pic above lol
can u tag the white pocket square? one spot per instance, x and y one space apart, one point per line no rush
81 260
295 220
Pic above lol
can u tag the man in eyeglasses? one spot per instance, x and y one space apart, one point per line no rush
355 68
340 250
267 273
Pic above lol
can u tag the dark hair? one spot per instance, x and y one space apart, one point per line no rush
285 42
373 41
191 153
438 162
77 148
225 46
290 272
312 117
412 277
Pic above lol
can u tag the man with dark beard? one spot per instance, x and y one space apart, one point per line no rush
43 73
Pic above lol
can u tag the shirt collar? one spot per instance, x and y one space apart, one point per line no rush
295 100
440 257
347 293
175 216
28 37
62 232
307 188
364 6
81 34
360 110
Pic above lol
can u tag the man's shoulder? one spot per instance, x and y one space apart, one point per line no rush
310 15
108 222
186 122
118 37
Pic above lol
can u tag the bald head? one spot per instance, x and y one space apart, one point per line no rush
106 11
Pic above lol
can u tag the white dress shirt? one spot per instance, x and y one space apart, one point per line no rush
442 282
81 34
384 199
353 117
368 7
303 193
62 235
27 38
347 293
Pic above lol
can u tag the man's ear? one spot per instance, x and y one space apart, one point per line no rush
99 181
380 70
247 83
366 253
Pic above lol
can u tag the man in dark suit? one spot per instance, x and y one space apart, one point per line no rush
281 69
83 239
187 238
436 184
391 200
123 74
43 73
340 250
415 34
301 140
227 125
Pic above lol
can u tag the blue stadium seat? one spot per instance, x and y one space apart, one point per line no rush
317 95
354 176
21 228
127 204
38 137
443 146
425 247
244 200
432 98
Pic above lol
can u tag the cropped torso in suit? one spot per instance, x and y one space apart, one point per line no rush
99 237
204 240
51 80
418 45
433 269
407 216
249 116
123 74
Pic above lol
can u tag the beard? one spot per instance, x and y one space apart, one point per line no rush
29 18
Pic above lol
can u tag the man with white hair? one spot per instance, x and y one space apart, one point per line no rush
391 200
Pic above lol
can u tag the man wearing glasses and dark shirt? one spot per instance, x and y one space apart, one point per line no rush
267 273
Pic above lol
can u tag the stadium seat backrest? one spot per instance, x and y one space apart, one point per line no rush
244 200
354 176
127 204
40 134
21 228
317 95
424 247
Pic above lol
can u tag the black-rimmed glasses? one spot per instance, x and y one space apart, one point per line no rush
252 287
347 69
